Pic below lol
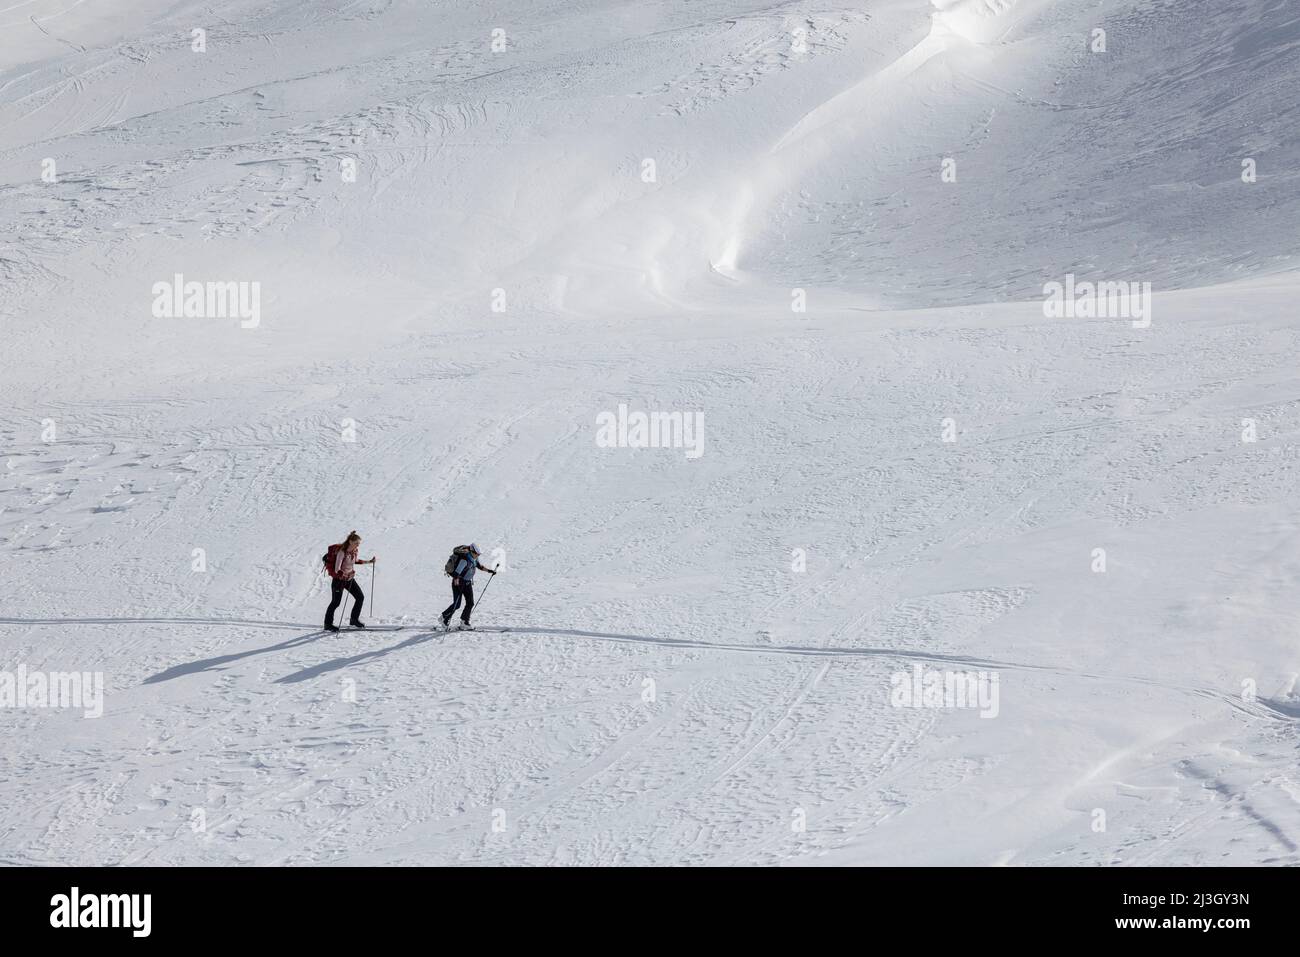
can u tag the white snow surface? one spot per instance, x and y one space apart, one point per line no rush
673 687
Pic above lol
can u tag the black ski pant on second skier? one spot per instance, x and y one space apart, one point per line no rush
337 585
463 590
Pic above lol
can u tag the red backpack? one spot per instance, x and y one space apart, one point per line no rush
331 560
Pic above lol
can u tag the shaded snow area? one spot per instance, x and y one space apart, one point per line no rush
885 415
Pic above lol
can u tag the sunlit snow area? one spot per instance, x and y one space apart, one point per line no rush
885 416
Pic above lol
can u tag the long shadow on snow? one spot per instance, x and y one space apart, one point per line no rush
210 664
601 635
802 650
325 667
248 623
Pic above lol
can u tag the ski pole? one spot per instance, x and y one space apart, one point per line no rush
373 562
479 604
344 616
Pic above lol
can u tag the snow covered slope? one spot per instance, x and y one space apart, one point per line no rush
467 258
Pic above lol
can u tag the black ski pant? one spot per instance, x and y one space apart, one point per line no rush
337 585
464 590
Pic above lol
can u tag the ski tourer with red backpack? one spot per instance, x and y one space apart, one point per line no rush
339 562
461 567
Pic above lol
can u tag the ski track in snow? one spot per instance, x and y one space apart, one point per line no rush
652 682
427 633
